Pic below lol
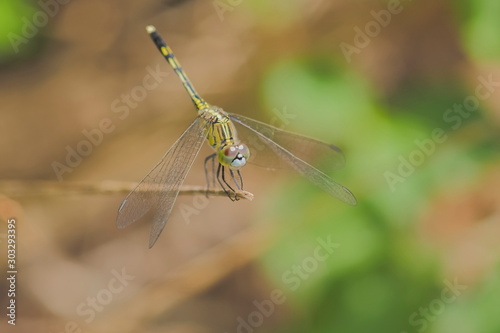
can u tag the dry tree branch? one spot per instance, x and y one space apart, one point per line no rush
42 188
183 282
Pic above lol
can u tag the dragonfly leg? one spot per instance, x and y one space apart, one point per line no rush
241 179
223 183
210 180
213 169
239 184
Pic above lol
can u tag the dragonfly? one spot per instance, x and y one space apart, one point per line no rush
271 147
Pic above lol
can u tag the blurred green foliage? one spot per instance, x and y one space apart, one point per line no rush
381 273
12 14
480 38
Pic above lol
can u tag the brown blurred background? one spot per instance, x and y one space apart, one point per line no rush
216 259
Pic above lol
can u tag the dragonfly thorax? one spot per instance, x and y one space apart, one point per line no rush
222 137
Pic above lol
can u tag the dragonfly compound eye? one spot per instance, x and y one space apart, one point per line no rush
234 156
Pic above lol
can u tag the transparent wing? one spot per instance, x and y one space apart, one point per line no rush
286 152
321 155
157 192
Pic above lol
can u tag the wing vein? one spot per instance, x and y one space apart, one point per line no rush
314 175
158 190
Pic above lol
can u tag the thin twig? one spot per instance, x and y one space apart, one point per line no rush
42 188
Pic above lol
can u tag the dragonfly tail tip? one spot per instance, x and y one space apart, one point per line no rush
150 29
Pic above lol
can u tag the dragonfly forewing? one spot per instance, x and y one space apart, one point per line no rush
321 155
289 149
157 192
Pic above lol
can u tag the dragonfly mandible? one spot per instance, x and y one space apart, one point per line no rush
156 193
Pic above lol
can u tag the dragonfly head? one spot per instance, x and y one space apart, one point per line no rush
234 156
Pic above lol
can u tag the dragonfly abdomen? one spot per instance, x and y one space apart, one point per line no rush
172 60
